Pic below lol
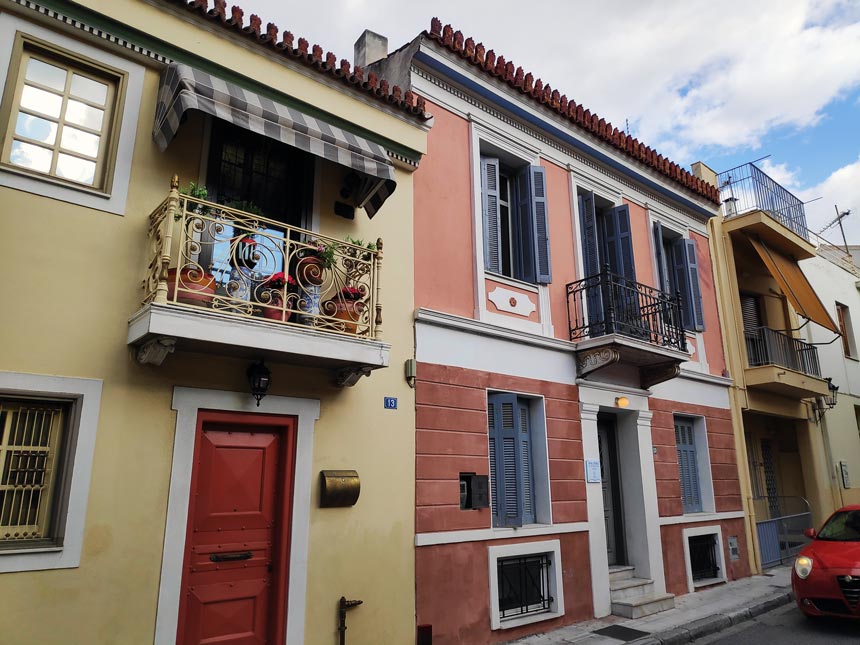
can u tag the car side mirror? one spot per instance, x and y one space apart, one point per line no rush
810 533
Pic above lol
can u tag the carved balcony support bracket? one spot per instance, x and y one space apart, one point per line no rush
349 376
591 360
651 376
155 350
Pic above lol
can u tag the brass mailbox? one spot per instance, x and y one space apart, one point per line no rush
339 488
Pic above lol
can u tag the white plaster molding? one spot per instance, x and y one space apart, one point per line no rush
513 302
556 581
86 393
695 389
704 530
188 402
691 518
598 558
488 535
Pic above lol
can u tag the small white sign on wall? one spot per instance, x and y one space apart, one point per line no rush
592 471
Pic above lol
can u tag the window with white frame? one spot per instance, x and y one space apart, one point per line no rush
843 317
62 115
694 465
518 467
678 273
515 218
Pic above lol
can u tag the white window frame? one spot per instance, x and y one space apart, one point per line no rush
540 459
82 425
126 123
482 133
696 531
555 586
703 462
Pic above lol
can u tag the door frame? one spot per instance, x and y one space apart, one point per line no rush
616 486
188 402
286 428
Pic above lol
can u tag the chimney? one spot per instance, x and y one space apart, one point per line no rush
369 48
704 173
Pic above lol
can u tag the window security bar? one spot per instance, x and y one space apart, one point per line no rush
524 586
703 557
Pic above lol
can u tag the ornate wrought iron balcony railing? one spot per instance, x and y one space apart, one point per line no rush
211 257
607 303
747 188
766 346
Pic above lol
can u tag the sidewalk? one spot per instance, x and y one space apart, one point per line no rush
695 615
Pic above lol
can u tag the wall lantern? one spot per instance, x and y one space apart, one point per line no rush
833 390
621 401
259 378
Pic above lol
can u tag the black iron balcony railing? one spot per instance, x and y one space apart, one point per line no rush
766 346
747 188
607 303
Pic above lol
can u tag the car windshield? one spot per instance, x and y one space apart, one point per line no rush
844 526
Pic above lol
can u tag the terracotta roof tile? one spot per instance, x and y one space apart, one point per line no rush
324 64
545 95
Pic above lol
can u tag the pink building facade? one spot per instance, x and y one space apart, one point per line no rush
575 453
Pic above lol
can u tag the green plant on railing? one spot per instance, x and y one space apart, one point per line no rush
370 246
195 191
246 206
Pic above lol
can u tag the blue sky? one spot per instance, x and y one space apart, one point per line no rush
723 82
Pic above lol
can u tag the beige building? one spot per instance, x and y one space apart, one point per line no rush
782 389
145 495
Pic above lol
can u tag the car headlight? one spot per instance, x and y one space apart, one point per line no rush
803 567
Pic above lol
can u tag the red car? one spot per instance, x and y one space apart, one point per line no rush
826 574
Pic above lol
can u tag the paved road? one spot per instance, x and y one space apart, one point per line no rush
787 626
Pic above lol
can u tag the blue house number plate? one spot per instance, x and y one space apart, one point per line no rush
390 403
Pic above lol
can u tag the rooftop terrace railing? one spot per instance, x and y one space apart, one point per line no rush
747 188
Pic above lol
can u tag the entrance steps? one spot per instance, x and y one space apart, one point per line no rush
635 597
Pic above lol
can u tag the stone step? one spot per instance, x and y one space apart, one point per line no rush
630 588
620 572
643 605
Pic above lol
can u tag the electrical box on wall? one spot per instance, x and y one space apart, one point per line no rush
843 471
734 549
474 491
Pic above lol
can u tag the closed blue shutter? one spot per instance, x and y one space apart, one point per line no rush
494 488
588 232
686 266
524 248
619 242
662 279
527 472
490 207
539 218
688 466
506 450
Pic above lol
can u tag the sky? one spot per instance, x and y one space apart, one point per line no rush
725 82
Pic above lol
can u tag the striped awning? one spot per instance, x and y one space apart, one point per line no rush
184 88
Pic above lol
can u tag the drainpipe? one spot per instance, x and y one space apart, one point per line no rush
343 605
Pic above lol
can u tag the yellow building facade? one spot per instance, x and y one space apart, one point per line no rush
781 387
146 496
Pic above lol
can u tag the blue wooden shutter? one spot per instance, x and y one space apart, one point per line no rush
508 459
527 485
494 487
490 207
539 217
619 242
662 279
588 232
686 267
524 248
688 466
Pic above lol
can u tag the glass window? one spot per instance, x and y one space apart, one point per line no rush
61 118
844 526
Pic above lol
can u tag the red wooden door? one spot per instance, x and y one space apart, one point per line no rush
237 546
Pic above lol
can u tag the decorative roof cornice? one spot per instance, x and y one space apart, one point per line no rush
301 52
524 82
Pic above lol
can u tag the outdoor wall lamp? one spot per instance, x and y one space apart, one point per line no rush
259 378
621 401
830 399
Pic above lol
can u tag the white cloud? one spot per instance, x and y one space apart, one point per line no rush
842 189
780 173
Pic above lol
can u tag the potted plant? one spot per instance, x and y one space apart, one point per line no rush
276 290
370 246
314 260
244 251
196 287
348 306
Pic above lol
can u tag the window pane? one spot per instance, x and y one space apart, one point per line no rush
41 101
87 88
44 74
76 169
36 128
81 142
82 114
29 156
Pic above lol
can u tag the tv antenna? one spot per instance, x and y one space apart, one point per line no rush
838 220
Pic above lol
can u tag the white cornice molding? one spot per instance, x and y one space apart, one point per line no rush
695 518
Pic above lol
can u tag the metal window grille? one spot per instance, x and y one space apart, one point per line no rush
703 557
524 585
30 440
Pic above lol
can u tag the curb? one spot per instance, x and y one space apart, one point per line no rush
715 623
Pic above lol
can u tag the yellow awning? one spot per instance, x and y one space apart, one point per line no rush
794 285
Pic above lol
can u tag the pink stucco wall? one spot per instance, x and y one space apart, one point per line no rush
713 333
561 244
640 230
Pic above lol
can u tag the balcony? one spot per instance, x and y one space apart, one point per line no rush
231 282
755 203
782 364
617 321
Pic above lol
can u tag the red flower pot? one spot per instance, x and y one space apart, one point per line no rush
195 287
310 271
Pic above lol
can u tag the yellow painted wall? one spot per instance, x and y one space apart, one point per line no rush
73 279
843 436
